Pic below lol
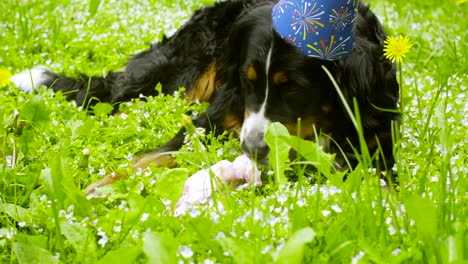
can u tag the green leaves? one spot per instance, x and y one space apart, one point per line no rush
159 248
93 7
123 255
280 142
16 212
29 253
357 220
277 139
81 239
241 251
60 185
425 216
102 109
293 251
171 184
35 111
312 152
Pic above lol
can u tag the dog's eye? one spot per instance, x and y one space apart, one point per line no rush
251 73
280 78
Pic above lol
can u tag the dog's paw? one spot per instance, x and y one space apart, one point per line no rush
30 79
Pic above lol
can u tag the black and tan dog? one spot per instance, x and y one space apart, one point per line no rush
229 55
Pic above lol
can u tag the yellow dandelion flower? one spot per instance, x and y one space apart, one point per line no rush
396 48
5 75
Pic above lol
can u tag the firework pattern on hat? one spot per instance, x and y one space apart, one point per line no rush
321 29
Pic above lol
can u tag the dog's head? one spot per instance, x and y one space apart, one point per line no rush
277 83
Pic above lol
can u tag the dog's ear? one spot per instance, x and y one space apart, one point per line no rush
366 74
370 78
248 28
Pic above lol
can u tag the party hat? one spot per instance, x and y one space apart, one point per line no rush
321 29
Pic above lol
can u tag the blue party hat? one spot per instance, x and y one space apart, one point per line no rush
321 29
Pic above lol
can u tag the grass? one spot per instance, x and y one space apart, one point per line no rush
51 149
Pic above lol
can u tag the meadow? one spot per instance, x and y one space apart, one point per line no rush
51 149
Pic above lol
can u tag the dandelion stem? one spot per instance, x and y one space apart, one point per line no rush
402 101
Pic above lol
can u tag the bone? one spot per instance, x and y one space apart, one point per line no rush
198 189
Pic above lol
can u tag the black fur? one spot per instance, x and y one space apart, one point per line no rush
236 35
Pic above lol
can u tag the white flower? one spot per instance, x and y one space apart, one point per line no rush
280 246
10 234
220 235
22 224
384 203
129 157
282 198
185 252
166 203
388 220
122 204
9 160
214 217
336 208
266 249
104 238
220 152
396 252
325 212
301 202
152 181
257 215
136 235
195 212
382 183
144 217
358 257
391 230
85 151
274 220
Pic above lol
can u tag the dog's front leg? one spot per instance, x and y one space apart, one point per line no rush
224 113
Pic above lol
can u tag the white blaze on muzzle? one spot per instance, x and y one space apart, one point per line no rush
255 125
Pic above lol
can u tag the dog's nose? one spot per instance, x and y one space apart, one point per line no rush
255 147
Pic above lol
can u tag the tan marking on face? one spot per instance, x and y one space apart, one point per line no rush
205 86
280 78
251 73
232 123
307 128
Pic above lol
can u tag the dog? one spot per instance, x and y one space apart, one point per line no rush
229 55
